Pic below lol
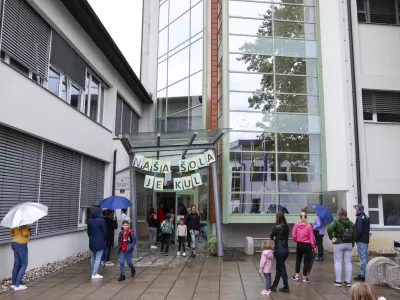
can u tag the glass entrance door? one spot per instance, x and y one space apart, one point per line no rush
183 202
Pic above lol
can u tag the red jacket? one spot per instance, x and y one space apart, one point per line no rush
160 215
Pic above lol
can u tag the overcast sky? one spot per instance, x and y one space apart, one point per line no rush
123 20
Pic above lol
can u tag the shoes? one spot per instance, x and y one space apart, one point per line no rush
109 264
184 254
267 292
122 277
97 276
153 247
166 253
103 263
273 289
193 255
295 277
335 283
319 259
263 292
161 252
133 272
21 287
178 253
305 280
347 284
359 278
284 290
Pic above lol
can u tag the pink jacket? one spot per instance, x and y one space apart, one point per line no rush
266 261
303 233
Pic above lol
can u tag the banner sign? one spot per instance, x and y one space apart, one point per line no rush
164 167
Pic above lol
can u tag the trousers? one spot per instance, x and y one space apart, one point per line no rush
303 249
362 250
181 240
281 254
20 262
122 257
342 254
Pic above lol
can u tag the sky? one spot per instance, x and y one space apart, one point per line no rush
123 21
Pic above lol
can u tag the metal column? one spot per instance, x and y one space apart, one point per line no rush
134 204
220 249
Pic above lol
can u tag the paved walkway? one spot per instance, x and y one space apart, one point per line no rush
177 278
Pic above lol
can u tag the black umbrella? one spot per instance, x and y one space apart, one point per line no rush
312 259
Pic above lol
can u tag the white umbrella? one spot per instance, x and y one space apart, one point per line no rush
24 214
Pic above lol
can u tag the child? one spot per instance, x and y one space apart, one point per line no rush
181 232
166 231
126 243
363 291
267 256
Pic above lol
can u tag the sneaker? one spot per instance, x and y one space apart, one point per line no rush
178 253
295 277
109 264
193 255
347 284
166 253
20 288
103 263
133 272
305 280
267 292
359 278
273 289
184 254
284 290
161 252
153 247
13 287
122 277
263 292
335 283
97 276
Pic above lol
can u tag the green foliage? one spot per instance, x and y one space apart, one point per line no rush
211 245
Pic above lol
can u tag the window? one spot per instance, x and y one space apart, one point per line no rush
378 11
384 210
126 119
94 97
18 66
53 82
381 106
75 96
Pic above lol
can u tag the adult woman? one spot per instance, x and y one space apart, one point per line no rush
111 225
303 235
20 247
97 232
193 225
152 221
280 235
342 233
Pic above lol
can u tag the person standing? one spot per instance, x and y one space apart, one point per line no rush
181 233
172 219
267 256
166 232
126 243
280 235
343 236
124 215
187 212
362 239
193 224
19 246
97 232
111 225
303 235
319 231
152 221
160 217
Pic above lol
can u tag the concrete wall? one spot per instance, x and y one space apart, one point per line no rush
44 250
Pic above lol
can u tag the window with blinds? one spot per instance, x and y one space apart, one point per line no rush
26 36
381 106
92 191
378 11
126 119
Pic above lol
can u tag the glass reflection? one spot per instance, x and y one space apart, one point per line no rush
196 89
196 21
196 56
178 66
179 31
297 123
178 97
178 122
252 121
177 8
296 84
247 26
248 9
291 142
251 82
162 75
296 66
248 101
195 118
163 16
294 12
251 63
300 162
161 104
163 42
251 45
252 203
295 203
287 47
297 103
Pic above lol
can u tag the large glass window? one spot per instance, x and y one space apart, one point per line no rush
384 210
53 82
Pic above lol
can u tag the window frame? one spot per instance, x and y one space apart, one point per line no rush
379 209
100 97
367 12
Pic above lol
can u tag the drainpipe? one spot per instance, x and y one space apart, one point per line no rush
354 95
114 172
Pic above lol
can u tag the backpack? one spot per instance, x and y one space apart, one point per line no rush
347 235
166 227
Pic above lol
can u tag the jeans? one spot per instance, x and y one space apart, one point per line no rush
95 260
104 254
20 262
342 253
181 240
281 254
193 238
362 249
152 236
166 239
267 281
320 245
122 257
306 250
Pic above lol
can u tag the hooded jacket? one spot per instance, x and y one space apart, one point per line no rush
319 225
193 221
336 228
362 228
267 257
303 233
97 231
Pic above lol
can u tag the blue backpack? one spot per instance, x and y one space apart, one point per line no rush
166 227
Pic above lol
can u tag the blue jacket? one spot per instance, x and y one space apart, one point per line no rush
362 228
131 241
319 225
97 231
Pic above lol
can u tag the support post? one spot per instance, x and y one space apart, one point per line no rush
134 204
217 209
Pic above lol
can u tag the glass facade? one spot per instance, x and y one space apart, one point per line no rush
180 65
275 158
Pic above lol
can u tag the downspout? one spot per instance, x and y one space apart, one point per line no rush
114 172
354 96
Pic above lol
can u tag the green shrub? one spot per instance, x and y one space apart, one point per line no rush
211 245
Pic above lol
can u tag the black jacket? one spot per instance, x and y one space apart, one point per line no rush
281 235
152 221
111 225
193 221
362 228
96 230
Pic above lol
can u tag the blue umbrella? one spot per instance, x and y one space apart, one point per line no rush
323 212
115 202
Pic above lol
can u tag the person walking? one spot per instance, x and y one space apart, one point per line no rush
362 239
181 233
126 243
267 256
166 231
111 225
19 246
280 235
319 231
303 235
97 232
153 224
343 236
193 224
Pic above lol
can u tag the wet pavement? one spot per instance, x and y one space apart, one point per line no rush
234 277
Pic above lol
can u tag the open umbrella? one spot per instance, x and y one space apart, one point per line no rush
323 212
24 214
115 202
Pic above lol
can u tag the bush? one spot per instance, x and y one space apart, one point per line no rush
211 245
